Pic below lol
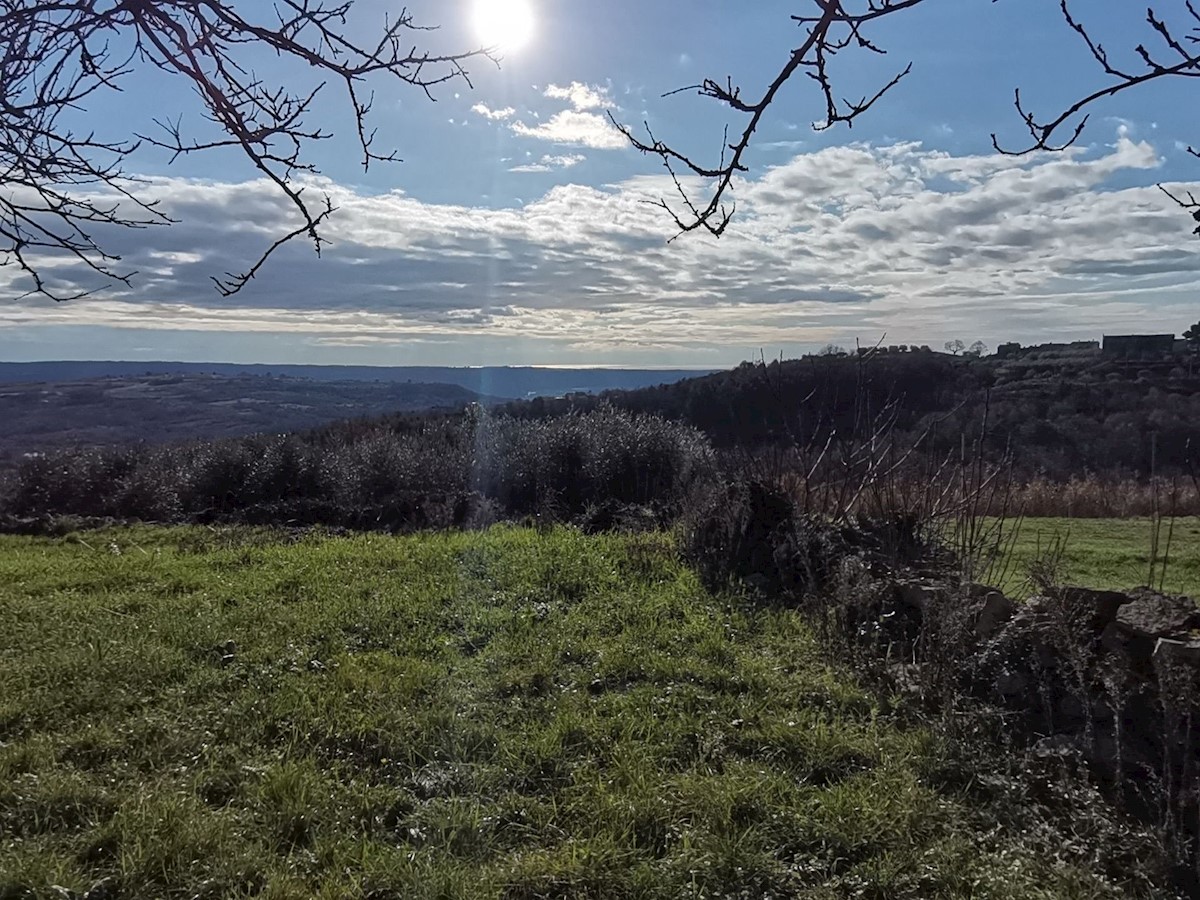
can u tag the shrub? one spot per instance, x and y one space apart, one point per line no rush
437 472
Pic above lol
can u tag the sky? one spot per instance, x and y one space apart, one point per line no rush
516 229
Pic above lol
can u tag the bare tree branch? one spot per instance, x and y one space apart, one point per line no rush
1174 57
834 26
60 186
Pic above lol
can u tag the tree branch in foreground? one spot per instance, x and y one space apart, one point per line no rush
59 186
837 26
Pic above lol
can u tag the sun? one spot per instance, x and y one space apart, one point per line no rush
507 25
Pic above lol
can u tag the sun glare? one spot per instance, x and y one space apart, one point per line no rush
507 25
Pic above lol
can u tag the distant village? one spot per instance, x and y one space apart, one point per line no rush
1117 346
1130 347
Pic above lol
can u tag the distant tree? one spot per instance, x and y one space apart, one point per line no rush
832 350
1192 336
979 348
955 347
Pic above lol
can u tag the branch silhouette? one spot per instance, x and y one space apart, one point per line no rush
834 27
60 185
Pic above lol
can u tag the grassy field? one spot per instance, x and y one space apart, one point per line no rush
1105 553
201 714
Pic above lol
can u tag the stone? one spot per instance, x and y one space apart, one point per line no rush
1149 615
994 611
918 595
1101 607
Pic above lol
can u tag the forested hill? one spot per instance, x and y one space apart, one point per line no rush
1058 413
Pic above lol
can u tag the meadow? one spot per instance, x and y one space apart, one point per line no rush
196 712
1110 554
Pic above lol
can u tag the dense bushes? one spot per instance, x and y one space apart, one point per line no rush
440 471
755 533
1054 418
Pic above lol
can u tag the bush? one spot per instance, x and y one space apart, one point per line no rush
439 472
579 460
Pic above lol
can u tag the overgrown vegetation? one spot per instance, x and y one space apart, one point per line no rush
1056 415
1071 674
868 531
204 712
398 474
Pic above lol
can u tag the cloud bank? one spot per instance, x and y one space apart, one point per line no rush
848 242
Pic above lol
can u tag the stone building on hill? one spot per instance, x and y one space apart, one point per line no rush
1139 346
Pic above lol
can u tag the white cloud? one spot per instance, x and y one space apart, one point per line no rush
581 129
550 163
576 126
494 114
581 96
845 242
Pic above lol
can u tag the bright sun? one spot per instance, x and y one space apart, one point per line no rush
507 25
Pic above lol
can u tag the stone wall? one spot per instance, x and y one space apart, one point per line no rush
1114 677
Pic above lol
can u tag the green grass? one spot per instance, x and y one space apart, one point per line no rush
1111 554
505 715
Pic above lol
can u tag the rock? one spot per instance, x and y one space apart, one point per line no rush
1099 607
918 595
995 609
1149 615
1111 639
1021 651
227 652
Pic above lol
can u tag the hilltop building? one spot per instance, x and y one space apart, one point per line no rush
1005 351
1139 346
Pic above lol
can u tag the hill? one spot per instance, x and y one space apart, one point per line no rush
1060 414
40 417
492 381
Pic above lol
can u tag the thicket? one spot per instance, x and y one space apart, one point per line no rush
400 474
1056 419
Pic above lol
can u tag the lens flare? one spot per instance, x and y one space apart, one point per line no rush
506 25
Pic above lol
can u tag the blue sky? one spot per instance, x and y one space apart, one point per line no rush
515 232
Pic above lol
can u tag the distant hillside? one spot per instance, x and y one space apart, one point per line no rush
1059 414
164 408
492 381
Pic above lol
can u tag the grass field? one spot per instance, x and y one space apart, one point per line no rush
509 715
1106 553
